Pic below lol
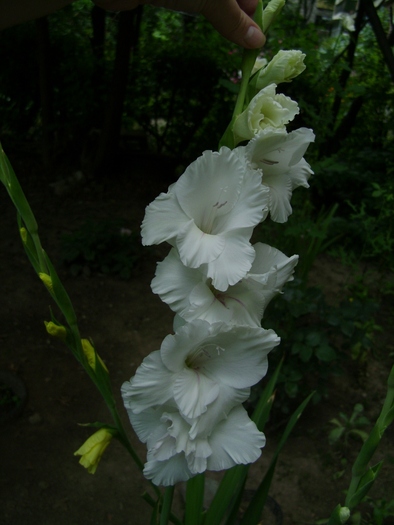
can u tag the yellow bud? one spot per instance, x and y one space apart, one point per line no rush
55 330
45 278
91 354
23 234
93 448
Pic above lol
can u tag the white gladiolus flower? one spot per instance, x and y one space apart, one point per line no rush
203 368
190 294
174 456
279 155
266 110
209 215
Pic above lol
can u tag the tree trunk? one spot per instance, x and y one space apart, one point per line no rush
381 37
128 33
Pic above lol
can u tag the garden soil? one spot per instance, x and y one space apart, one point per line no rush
41 481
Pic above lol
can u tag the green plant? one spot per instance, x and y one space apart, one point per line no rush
104 247
317 338
349 426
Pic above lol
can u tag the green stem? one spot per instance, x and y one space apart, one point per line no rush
248 60
167 502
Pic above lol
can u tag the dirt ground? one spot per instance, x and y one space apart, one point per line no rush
41 481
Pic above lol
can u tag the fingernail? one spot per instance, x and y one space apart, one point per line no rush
254 37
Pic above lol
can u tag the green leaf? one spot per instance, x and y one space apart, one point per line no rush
255 508
229 488
326 353
335 434
314 338
194 500
262 410
306 354
365 485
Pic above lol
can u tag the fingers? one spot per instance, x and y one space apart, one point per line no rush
231 21
231 18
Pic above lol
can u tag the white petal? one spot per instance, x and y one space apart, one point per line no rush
163 220
237 356
235 440
202 301
280 195
272 268
167 472
299 174
210 187
151 385
251 207
196 247
145 423
246 303
193 392
174 282
227 399
176 348
234 262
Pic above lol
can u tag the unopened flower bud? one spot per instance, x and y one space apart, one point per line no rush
91 355
93 449
285 66
270 13
344 514
23 234
46 279
55 330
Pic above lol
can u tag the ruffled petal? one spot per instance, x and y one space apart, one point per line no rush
299 174
210 187
251 207
271 268
235 440
234 262
237 355
196 247
227 399
174 282
151 385
280 195
193 392
163 220
167 472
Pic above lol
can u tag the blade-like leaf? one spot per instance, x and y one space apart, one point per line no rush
194 500
255 508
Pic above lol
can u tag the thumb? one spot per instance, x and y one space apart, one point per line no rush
233 23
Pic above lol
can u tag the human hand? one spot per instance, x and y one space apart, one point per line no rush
231 18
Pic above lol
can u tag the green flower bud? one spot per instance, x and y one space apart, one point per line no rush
46 279
55 330
23 234
344 514
91 355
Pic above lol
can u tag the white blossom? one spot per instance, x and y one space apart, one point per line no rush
267 109
189 292
209 214
278 155
173 455
204 369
